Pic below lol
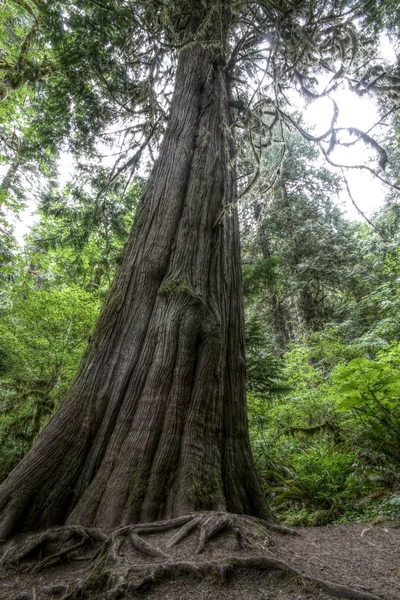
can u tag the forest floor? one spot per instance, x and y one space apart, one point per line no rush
363 558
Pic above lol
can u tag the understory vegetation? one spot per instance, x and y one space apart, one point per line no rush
324 408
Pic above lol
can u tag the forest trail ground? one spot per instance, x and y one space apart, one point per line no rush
362 557
359 555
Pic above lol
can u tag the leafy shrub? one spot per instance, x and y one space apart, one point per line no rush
371 390
43 333
373 509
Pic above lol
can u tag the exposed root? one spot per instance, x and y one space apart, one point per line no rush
58 556
185 531
115 573
142 546
150 574
280 529
270 526
202 538
20 550
224 522
161 526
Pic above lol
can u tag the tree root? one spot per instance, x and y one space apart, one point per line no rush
185 531
112 566
21 549
142 546
206 534
150 574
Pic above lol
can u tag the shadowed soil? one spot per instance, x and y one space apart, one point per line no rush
217 557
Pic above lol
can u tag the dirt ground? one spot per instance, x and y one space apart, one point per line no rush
363 557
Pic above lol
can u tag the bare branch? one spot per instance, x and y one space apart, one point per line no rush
353 201
365 167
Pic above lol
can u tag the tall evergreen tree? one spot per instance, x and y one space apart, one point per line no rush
154 425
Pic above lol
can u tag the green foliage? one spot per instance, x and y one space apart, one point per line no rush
264 369
80 237
26 162
43 333
328 448
23 60
376 508
372 391
330 443
321 486
365 384
257 276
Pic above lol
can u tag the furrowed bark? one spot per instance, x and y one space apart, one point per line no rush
154 425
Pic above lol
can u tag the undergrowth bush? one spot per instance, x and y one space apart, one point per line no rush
327 449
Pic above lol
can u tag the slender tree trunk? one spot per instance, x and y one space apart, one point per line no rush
9 177
278 313
310 309
155 423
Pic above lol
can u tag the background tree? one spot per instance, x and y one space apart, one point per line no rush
323 458
43 334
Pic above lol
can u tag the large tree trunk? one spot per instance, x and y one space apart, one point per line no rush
155 423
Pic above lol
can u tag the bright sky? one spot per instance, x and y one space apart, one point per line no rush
362 113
